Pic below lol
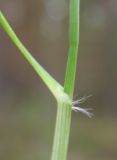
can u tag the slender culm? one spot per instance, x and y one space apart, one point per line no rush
73 47
63 120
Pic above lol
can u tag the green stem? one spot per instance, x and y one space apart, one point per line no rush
64 95
61 131
51 83
73 47
63 120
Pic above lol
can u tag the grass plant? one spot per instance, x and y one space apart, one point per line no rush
63 94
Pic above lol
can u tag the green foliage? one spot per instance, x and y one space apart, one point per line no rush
64 94
51 83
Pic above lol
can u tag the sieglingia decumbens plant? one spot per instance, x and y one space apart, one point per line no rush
63 94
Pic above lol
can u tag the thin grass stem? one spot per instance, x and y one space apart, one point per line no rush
63 121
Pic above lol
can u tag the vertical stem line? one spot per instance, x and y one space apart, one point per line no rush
61 132
73 47
63 120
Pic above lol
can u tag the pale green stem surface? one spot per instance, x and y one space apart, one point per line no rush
61 131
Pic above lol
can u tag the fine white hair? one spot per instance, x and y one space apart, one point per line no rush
82 110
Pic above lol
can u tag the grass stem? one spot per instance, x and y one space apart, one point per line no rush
63 121
64 96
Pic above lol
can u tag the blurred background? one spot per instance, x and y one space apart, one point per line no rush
27 108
